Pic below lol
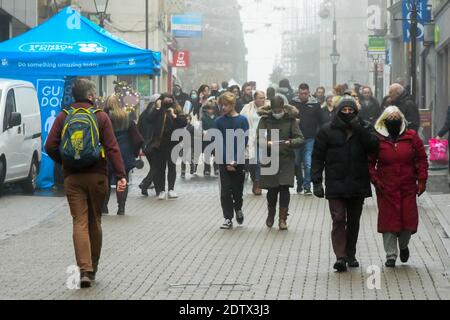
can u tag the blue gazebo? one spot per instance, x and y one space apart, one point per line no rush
66 46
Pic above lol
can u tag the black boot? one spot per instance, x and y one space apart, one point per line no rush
272 211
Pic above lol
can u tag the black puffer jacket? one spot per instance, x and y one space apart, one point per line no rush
409 108
343 153
370 110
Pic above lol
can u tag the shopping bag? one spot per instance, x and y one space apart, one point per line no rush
438 150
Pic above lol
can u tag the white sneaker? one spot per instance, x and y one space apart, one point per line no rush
162 196
228 224
172 195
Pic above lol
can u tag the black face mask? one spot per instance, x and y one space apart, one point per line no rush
394 127
347 117
167 105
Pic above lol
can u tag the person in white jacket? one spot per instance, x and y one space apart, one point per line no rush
252 159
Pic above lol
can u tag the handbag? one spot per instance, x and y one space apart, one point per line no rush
438 150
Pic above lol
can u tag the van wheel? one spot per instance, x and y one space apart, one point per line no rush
29 186
2 175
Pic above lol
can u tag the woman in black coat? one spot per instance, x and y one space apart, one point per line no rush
342 148
165 117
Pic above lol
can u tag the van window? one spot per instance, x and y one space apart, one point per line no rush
10 107
26 101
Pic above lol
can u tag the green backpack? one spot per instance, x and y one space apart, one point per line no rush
80 139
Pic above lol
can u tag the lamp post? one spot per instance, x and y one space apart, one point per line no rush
335 56
101 6
376 61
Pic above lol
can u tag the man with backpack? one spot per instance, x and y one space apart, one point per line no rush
82 140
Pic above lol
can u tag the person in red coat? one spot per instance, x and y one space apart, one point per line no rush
399 173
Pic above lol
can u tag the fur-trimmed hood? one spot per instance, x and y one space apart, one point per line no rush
289 111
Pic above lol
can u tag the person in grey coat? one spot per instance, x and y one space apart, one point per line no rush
280 117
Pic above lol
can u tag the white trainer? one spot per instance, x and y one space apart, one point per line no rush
162 196
172 195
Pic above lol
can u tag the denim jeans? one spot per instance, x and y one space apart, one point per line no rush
303 160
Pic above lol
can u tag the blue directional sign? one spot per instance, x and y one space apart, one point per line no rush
423 17
187 26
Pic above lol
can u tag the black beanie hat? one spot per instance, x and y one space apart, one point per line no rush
347 101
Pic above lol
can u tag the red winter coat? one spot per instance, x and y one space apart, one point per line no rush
395 173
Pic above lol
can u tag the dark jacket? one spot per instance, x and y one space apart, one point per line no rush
309 115
326 116
239 105
289 130
343 153
182 98
164 125
370 110
107 139
409 108
130 142
208 122
446 128
144 127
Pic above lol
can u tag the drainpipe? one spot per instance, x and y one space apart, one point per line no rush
423 77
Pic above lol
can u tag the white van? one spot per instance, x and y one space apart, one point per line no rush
20 134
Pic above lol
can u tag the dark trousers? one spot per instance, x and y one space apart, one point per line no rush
254 170
147 182
285 197
121 196
207 158
185 164
231 190
161 160
86 194
346 215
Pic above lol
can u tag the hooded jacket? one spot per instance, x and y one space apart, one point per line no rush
395 171
288 130
342 150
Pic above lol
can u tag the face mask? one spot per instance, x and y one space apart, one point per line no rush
194 97
347 117
394 127
278 116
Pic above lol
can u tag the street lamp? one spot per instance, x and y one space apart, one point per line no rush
101 6
376 61
335 58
